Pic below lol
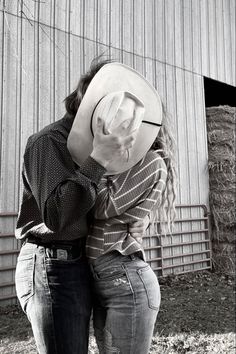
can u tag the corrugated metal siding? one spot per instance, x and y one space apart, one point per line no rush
46 45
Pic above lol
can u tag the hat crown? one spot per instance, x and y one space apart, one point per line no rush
111 79
117 107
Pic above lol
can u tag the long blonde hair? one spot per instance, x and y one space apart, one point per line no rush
165 145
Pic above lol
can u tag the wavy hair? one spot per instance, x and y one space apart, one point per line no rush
165 145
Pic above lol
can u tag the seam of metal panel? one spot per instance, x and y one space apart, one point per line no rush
17 136
200 33
196 139
133 33
208 32
154 43
216 41
36 71
69 48
54 62
2 73
223 36
109 27
231 41
122 29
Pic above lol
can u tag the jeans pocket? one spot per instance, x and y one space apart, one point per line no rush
151 285
24 278
111 274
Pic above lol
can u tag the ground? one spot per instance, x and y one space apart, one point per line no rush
197 315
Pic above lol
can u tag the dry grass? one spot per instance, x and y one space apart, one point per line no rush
196 316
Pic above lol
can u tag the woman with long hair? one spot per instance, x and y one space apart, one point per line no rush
140 182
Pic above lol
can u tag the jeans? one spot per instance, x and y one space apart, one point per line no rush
126 303
56 296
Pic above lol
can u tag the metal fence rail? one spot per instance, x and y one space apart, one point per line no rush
186 249
184 256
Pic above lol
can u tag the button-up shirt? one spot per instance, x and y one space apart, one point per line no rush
57 194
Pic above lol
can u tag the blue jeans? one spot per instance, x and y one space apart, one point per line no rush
56 296
126 303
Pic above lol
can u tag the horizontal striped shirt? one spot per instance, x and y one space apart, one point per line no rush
121 200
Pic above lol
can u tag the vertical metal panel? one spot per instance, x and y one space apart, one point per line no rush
128 31
213 72
169 32
201 139
227 43
149 30
45 77
10 6
103 35
187 35
160 30
116 30
77 17
91 30
205 57
161 81
220 44
60 74
178 33
138 27
182 137
75 60
233 39
10 62
196 36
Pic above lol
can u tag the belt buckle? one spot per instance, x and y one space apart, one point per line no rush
61 254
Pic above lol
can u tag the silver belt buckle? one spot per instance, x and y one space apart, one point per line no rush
62 254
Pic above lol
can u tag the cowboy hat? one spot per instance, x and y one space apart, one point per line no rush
114 94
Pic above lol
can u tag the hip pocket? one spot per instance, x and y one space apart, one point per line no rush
151 285
24 278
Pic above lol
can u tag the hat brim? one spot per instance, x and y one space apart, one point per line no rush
116 77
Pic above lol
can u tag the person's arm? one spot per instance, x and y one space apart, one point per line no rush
63 193
138 228
142 184
150 197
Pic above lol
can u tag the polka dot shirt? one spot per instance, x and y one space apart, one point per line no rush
57 194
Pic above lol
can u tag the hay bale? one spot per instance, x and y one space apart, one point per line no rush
225 236
222 114
221 124
223 208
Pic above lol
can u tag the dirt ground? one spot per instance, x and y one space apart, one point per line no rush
197 315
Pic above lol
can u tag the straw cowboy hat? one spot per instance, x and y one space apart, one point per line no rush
116 93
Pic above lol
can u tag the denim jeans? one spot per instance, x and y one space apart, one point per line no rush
56 296
126 303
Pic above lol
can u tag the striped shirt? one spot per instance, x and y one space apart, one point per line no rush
121 200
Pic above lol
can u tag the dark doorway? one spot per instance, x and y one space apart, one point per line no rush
218 93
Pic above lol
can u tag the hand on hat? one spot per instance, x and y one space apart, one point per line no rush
109 146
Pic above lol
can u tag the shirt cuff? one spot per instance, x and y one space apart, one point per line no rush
92 169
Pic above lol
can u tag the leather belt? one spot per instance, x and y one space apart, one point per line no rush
64 250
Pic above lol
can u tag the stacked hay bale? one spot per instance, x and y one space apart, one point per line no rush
222 178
